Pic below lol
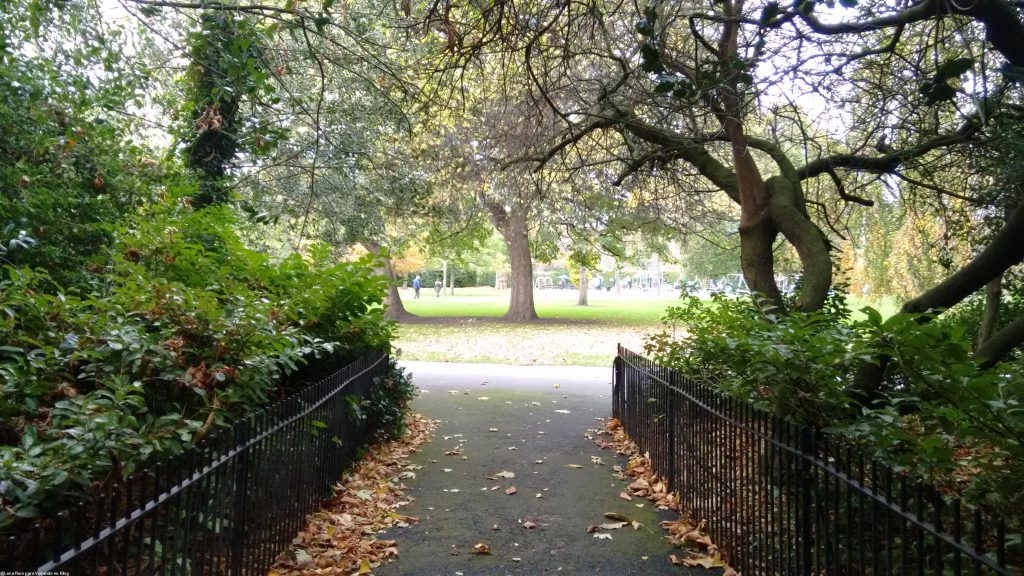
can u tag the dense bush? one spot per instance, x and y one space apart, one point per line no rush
181 329
940 415
386 406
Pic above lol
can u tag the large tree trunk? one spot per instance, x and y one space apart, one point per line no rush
770 207
444 276
517 239
757 232
789 216
583 287
394 309
515 231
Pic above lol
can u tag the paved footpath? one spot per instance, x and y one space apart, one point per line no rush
514 419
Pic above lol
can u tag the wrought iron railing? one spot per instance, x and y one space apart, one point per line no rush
229 506
783 499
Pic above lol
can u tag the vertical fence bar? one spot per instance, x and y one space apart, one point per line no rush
805 488
671 447
238 513
618 369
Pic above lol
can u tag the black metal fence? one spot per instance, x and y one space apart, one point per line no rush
780 499
229 506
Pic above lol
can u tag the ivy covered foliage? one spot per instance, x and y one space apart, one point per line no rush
940 416
134 319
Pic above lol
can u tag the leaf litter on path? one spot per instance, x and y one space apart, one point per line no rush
338 539
701 551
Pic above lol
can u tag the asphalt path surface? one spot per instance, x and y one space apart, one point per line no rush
532 422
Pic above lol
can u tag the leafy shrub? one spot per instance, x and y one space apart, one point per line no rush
388 403
184 328
794 364
940 415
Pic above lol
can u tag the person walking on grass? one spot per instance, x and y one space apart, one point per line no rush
437 288
416 286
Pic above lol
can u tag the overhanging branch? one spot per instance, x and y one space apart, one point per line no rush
886 163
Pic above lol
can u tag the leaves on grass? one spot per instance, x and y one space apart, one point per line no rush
573 466
502 474
481 548
510 490
339 538
455 340
602 536
529 525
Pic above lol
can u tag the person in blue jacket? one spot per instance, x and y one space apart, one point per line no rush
416 286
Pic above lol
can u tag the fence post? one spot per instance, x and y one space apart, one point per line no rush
618 374
673 395
805 490
238 514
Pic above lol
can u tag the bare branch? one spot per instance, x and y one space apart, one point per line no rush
844 195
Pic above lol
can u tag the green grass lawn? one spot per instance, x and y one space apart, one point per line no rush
635 309
887 307
630 309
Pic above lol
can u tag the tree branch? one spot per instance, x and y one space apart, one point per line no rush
844 195
1003 25
1005 250
219 6
887 163
1001 343
572 139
